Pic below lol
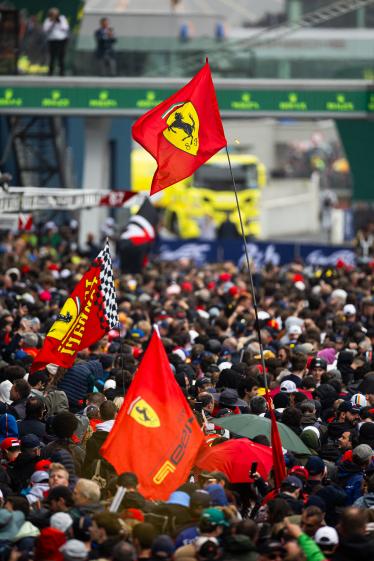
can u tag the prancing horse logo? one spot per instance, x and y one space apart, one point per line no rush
143 413
182 127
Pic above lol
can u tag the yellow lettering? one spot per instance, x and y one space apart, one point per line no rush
163 472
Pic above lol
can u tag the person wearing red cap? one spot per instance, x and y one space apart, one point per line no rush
10 448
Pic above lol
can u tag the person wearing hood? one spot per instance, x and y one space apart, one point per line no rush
5 387
8 427
312 439
367 500
108 412
351 471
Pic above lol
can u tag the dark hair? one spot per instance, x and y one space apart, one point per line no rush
298 362
36 377
291 417
109 521
128 479
64 424
108 410
34 408
145 533
123 551
278 509
19 503
14 372
246 385
22 387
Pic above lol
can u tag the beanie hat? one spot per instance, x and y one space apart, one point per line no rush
48 544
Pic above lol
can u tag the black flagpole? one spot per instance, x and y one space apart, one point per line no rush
249 271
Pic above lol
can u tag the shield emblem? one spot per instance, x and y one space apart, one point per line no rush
65 319
143 413
183 127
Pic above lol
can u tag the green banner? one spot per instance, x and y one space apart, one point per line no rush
138 100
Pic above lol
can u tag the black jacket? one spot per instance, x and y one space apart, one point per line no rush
355 548
32 426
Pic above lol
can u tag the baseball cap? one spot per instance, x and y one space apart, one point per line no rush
215 516
345 406
295 330
74 549
318 362
179 498
293 481
39 476
349 310
288 386
200 498
359 399
300 471
30 441
315 465
10 444
326 537
61 521
163 547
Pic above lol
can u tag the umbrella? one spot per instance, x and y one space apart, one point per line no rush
234 458
251 426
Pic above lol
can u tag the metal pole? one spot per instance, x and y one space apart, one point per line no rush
249 271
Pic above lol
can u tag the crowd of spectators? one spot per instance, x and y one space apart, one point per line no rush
317 331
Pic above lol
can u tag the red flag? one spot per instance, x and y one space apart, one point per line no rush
183 131
280 471
89 313
155 434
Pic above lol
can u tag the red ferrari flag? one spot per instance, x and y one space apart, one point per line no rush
89 313
155 434
183 131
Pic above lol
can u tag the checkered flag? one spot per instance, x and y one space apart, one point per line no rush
107 303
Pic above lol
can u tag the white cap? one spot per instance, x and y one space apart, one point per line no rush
326 536
110 384
224 365
340 294
61 521
74 549
263 315
288 386
359 399
203 314
349 310
29 298
295 330
300 285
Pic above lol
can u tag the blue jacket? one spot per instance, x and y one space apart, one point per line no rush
350 477
78 381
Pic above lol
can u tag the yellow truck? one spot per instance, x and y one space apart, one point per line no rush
208 193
